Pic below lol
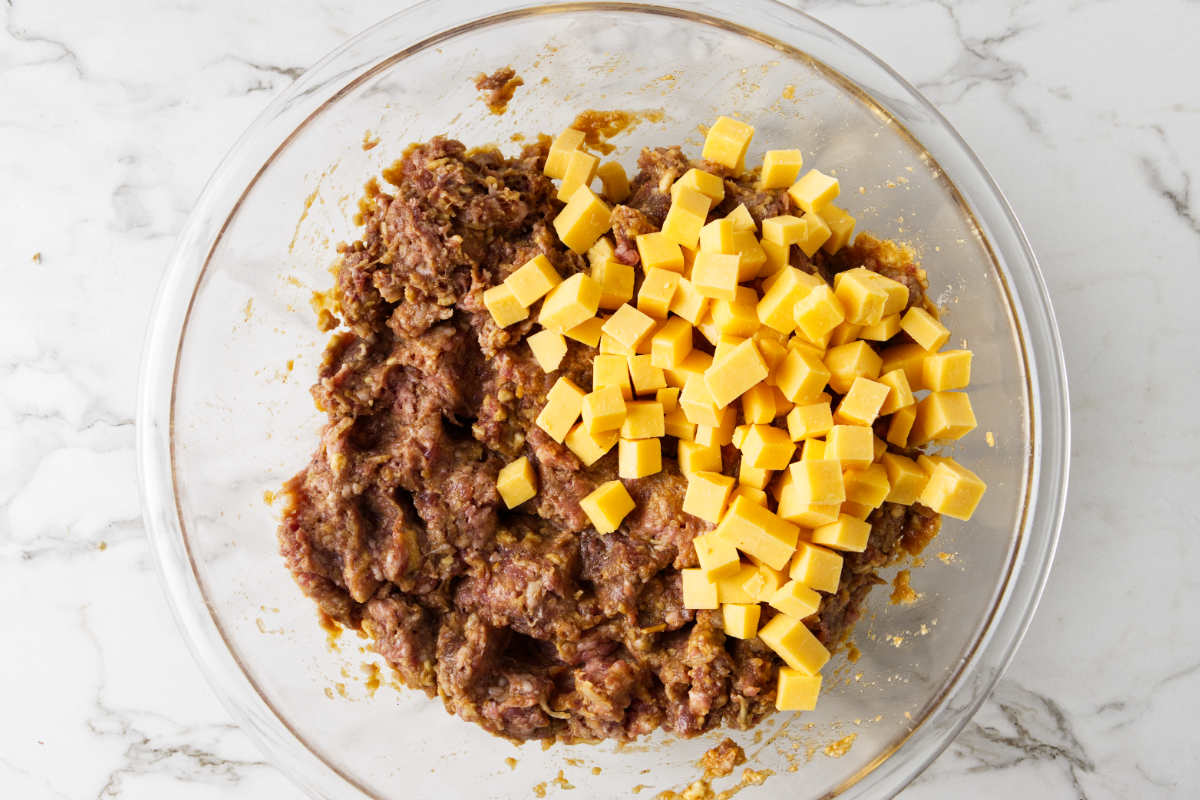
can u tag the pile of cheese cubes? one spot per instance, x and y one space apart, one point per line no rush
811 471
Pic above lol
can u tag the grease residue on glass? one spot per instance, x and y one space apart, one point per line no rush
333 631
902 591
841 746
498 88
369 140
600 126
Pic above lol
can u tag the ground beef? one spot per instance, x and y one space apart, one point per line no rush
527 622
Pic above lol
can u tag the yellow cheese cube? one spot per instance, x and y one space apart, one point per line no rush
851 445
698 404
628 326
687 302
776 309
564 402
676 423
706 495
924 329
780 168
658 252
685 217
855 510
757 531
588 332
707 184
717 557
794 643
801 376
671 343
548 348
783 230
610 346
717 236
589 447
600 252
813 192
845 333
643 420
639 458
694 365
901 425
906 477
709 330
816 233
880 447
809 421
809 515
533 280
803 345
741 619
727 142
883 330
735 373
742 219
583 219
715 275
732 588
607 506
503 305
570 303
695 458
758 405
862 403
516 482
816 567
949 369
751 493
818 314
849 361
841 226
616 182
603 409
796 691
899 393
737 317
647 378
773 352
739 435
751 256
581 169
561 148
611 370
952 489
817 482
767 447
796 600
698 591
846 534
778 257
868 486
862 299
754 477
669 397
764 582
942 415
910 358
721 433
814 449
616 283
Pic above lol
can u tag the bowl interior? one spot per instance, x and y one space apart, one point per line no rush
243 420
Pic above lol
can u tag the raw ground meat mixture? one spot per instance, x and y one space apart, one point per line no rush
526 622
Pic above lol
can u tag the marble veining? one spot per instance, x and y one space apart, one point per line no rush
111 118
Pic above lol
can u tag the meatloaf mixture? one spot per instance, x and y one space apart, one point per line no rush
527 622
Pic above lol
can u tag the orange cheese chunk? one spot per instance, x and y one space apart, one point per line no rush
516 482
899 392
767 447
685 217
883 330
717 557
643 420
796 600
727 142
647 378
656 251
868 486
814 483
794 643
737 317
548 348
715 275
776 309
740 619
580 171
611 370
503 305
707 184
720 434
952 489
796 691
561 148
742 219
564 402
671 343
910 358
758 532
582 221
851 445
615 181
814 191
607 506
695 458
901 425
570 303
949 369
816 567
809 421
533 280
816 233
658 289
924 329
861 405
942 415
780 168
698 404
818 314
616 283
732 588
639 458
906 477
699 592
603 409
739 371
628 326
862 299
849 361
589 447
802 376
688 303
758 405
847 534
717 236
841 226
706 495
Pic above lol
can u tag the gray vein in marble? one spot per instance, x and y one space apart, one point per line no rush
65 53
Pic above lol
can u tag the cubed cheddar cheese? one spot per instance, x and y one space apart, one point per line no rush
900 425
607 506
795 599
778 257
612 370
658 289
699 592
868 486
742 219
855 510
765 582
727 142
671 343
707 184
796 691
789 286
688 303
784 229
759 532
909 358
818 314
570 303
516 482
561 148
801 376
906 477
676 424
794 643
582 221
587 332
751 493
564 402
809 421
740 370
816 233
720 434
669 397
616 283
942 415
767 447
849 361
754 477
615 181
548 348
846 534
952 489
698 404
814 449
862 299
503 305
862 403
656 251
717 557
758 405
600 252
751 256
717 236
949 369
844 333
603 409
851 445
814 483
715 275
737 317
685 217
706 495
780 168
639 458
899 392
581 169
813 192
740 619
881 331
589 447
841 227
732 588
808 515
643 420
924 329
530 282
628 326
647 378
817 567
695 458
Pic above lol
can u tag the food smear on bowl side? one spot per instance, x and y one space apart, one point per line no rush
601 460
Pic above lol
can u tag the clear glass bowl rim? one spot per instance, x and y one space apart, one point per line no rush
437 20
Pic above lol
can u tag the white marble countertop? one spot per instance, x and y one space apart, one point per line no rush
1088 115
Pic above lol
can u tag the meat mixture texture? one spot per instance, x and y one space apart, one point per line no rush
527 622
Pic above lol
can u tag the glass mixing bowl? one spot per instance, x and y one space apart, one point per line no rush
225 415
